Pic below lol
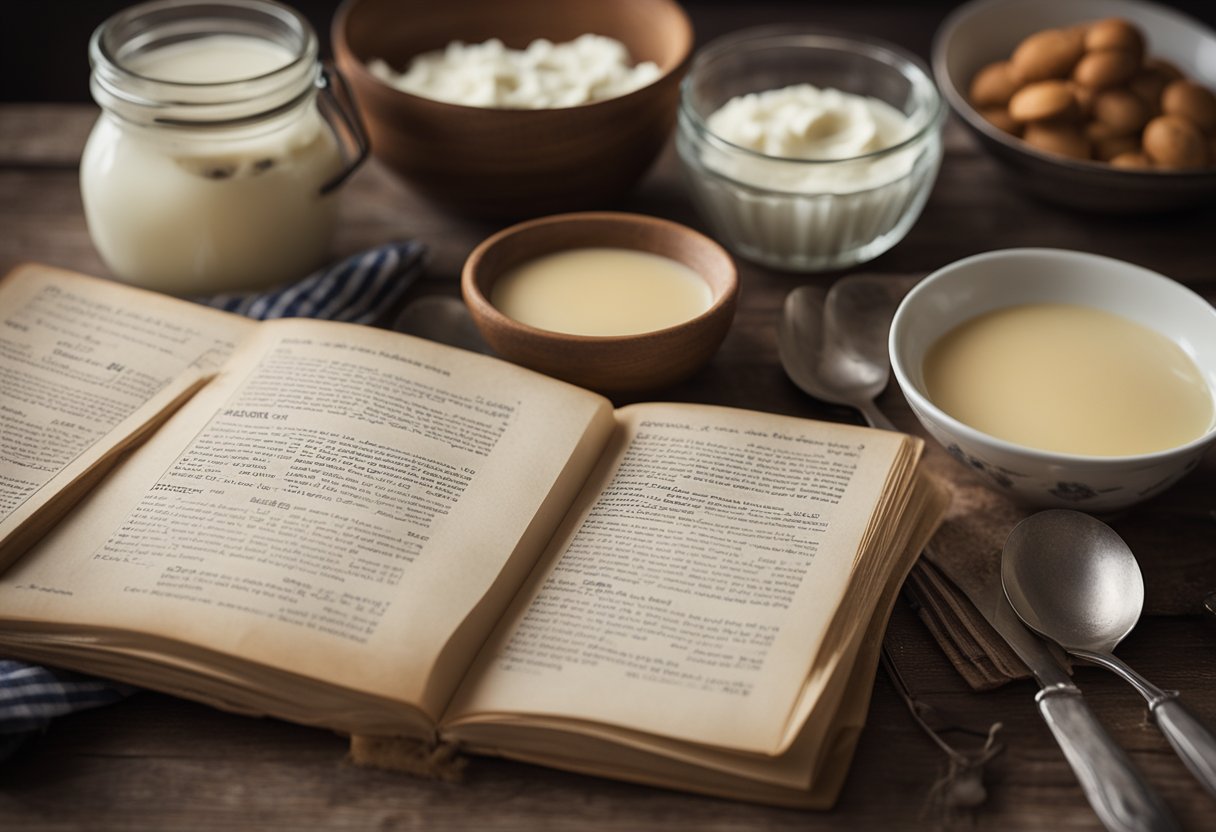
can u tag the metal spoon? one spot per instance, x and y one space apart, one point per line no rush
834 346
1072 579
443 319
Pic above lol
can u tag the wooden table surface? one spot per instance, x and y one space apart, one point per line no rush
153 762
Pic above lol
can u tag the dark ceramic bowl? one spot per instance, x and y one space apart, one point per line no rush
984 31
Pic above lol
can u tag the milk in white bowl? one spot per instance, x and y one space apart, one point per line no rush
1090 478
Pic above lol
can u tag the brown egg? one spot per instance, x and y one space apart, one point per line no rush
1132 161
1121 110
1043 100
1163 67
993 85
1175 143
1191 101
1061 139
1098 131
1105 69
1114 33
1084 97
999 118
1106 150
1051 53
1148 85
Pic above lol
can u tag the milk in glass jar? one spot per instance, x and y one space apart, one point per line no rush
220 147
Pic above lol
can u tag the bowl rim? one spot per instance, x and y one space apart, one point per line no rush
480 304
342 49
960 104
818 38
919 401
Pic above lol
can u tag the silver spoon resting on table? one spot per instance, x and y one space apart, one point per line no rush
834 346
1072 579
443 319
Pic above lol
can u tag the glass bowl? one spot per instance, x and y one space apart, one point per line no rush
799 214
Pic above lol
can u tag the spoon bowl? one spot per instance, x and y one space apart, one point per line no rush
833 345
443 319
1072 579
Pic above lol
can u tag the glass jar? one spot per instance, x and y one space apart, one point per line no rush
221 143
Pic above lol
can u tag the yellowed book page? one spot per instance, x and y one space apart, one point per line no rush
795 765
809 774
84 364
689 590
335 504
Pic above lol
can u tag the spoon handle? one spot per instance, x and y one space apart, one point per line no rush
1191 739
1118 793
874 417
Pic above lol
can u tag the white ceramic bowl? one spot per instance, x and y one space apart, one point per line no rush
983 31
999 279
792 226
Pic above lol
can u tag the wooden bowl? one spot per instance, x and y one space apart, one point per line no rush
608 364
513 163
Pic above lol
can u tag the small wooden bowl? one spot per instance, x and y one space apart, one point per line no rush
608 364
513 163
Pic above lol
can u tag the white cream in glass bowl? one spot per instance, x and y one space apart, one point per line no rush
808 151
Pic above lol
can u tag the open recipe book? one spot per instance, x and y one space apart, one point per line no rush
353 528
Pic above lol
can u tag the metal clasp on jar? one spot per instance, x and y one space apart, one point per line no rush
337 107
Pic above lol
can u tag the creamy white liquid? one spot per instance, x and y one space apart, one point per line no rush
191 211
217 59
588 68
601 291
1070 379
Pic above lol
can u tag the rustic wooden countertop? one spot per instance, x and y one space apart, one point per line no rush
153 762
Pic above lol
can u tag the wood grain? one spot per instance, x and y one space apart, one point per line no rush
158 763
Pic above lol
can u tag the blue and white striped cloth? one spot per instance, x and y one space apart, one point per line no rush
356 290
359 290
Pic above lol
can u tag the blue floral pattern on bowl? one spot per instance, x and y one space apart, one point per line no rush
1079 492
998 474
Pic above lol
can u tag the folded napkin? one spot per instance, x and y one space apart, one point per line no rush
360 289
1170 535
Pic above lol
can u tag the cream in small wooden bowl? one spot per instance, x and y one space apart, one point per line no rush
606 363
